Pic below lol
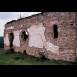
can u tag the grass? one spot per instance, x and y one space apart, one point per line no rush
9 58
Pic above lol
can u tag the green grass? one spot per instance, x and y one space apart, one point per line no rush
8 58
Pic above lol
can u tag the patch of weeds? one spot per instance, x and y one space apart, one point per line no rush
60 62
32 56
7 51
42 57
35 58
16 58
10 51
20 56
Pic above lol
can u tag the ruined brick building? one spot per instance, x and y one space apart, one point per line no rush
53 33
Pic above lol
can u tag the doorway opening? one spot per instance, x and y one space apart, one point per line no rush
11 38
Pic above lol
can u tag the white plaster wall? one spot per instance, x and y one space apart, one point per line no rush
37 38
36 30
16 40
35 41
12 27
6 40
36 35
51 47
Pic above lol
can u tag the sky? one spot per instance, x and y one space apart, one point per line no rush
9 16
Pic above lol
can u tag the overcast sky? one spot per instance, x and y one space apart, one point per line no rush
8 16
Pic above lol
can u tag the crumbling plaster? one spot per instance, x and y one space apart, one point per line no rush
40 30
16 41
38 40
6 40
12 27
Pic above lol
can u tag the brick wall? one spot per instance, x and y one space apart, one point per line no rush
66 40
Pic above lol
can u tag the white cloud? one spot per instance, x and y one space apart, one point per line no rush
9 16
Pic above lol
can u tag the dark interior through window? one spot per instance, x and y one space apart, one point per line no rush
11 37
55 28
24 36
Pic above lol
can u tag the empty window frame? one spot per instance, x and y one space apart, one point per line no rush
24 36
55 31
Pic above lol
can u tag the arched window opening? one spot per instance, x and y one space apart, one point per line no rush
24 36
55 29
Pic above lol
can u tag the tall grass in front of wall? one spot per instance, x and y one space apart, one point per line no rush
9 58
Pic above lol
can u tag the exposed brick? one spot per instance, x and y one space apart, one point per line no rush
66 34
